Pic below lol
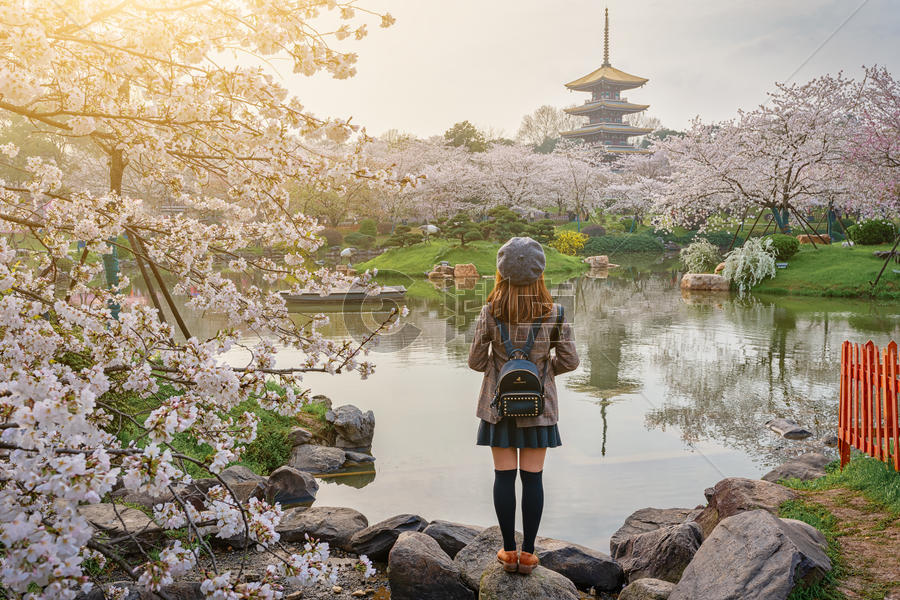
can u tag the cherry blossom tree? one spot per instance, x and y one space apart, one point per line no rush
158 92
875 146
513 176
580 176
635 182
786 156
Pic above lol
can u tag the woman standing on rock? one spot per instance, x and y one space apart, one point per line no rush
520 316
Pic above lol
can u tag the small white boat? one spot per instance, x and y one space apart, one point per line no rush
351 294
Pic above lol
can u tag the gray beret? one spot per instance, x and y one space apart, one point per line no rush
521 260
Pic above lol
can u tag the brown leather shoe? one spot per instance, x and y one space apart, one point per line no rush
527 562
509 559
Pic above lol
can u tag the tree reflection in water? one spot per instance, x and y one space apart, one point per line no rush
757 359
717 367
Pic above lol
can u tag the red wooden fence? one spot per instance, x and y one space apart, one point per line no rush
869 415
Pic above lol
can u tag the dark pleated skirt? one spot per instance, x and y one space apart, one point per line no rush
505 434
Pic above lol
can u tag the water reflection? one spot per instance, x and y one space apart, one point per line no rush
672 394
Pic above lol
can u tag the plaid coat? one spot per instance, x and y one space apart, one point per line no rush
487 355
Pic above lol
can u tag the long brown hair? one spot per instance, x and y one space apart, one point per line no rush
519 303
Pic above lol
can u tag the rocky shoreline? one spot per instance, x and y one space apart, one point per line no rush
734 546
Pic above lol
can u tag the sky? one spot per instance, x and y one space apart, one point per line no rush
493 61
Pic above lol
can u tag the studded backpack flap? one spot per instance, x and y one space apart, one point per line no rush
520 385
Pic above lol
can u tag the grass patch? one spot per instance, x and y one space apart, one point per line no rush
835 271
418 259
263 455
819 517
876 480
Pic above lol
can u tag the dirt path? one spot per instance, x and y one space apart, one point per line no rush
870 541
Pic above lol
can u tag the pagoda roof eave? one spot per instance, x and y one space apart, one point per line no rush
607 74
590 107
607 128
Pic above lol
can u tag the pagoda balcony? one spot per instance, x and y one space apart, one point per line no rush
592 100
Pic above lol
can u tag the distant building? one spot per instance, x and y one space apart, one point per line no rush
606 106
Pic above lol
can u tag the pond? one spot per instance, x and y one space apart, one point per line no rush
671 396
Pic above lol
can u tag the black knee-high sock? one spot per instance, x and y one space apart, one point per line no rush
532 507
505 505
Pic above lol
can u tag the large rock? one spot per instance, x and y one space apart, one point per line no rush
600 261
480 553
317 459
289 486
322 399
354 428
180 590
117 521
375 541
705 281
419 569
299 436
239 474
821 238
585 567
125 496
542 583
244 490
790 430
358 457
465 270
648 519
804 467
660 554
647 589
452 537
330 524
754 555
738 494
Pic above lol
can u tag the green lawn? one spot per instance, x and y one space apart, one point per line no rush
834 271
419 259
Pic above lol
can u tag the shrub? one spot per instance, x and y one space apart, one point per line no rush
543 231
594 230
368 227
569 242
623 242
360 240
700 257
749 264
785 246
627 223
404 236
332 237
461 227
871 232
385 228
722 239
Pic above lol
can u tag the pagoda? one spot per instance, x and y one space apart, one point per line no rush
606 106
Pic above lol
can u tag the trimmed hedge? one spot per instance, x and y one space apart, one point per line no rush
871 232
722 239
360 240
785 246
622 242
594 230
368 227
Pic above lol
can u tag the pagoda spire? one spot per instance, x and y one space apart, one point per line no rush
606 41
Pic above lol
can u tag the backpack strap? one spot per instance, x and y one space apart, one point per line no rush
560 319
507 343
